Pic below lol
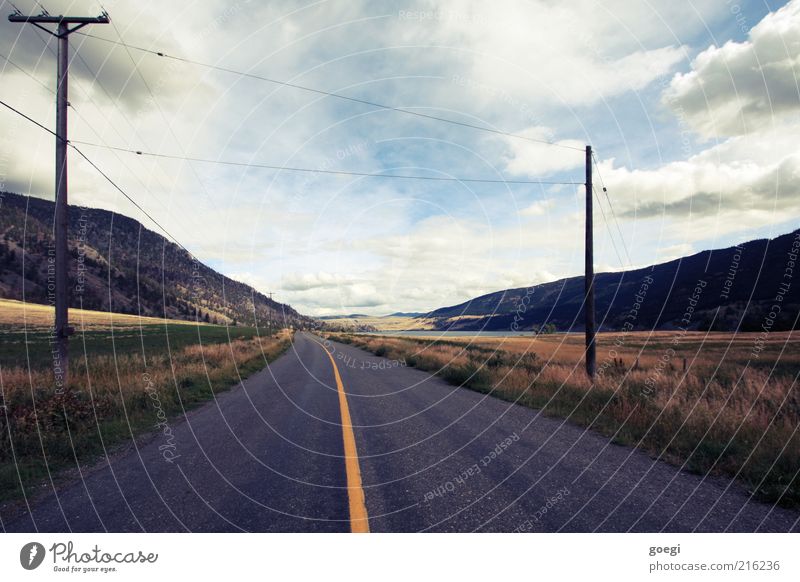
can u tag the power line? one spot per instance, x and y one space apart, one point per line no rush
132 201
44 10
161 112
170 235
324 171
318 91
332 94
610 234
169 126
18 112
121 42
97 81
293 169
102 173
613 214
26 73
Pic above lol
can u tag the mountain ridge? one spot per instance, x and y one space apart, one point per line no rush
117 264
740 286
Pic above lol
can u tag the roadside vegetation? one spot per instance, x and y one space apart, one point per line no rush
119 371
712 403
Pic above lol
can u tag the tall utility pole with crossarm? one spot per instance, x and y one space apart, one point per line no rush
65 25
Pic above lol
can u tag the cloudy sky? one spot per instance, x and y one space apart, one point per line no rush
691 106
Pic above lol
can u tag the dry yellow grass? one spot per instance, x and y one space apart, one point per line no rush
699 348
121 375
110 398
36 316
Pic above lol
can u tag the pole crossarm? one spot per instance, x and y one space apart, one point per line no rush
64 30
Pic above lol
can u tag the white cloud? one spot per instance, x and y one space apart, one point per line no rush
677 251
744 94
743 87
538 208
521 50
531 158
439 261
727 188
308 281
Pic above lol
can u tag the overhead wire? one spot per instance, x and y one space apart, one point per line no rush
44 10
26 73
102 173
330 93
86 94
160 111
611 207
128 47
326 171
173 238
605 222
378 105
121 111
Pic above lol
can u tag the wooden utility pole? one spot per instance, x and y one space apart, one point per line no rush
589 277
61 330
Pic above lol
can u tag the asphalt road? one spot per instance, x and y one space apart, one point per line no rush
269 455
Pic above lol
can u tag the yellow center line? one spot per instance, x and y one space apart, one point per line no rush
359 520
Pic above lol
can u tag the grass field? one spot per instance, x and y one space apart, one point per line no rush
734 410
120 367
36 316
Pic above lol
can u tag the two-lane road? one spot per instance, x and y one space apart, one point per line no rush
413 454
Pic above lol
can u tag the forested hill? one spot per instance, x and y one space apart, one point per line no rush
119 265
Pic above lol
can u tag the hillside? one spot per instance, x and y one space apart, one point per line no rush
119 265
363 323
741 286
